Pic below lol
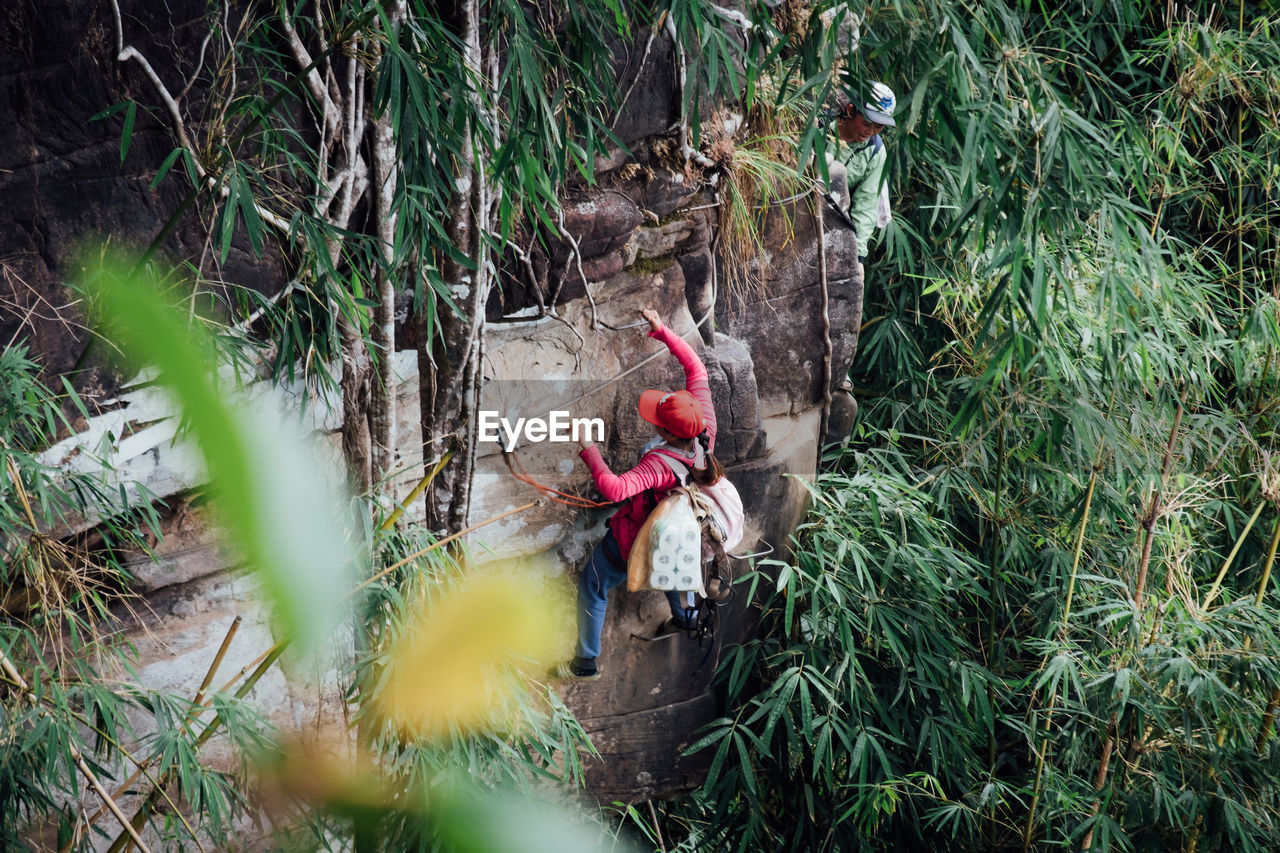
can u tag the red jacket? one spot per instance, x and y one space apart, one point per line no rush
649 481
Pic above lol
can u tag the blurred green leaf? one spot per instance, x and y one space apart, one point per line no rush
281 505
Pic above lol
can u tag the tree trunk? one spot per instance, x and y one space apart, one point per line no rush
356 373
449 364
382 411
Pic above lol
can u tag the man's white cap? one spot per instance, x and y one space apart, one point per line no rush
880 105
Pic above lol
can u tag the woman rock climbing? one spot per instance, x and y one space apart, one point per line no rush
685 422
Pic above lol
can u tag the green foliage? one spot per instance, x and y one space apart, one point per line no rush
554 91
23 413
62 691
708 45
534 120
64 695
756 183
869 706
267 166
491 788
996 631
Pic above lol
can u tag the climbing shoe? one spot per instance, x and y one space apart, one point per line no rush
671 626
575 670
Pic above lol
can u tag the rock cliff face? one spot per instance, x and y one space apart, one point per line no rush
766 360
646 237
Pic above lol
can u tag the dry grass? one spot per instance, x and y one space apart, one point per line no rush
52 587
757 175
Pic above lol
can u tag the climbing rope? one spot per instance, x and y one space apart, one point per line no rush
623 328
517 469
634 367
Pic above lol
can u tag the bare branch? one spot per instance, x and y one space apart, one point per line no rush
686 150
733 15
191 81
523 257
647 47
316 86
576 257
171 105
124 54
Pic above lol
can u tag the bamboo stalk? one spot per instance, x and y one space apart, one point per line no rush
1222 572
994 662
1240 178
1148 524
123 789
260 665
243 670
141 764
1079 549
123 840
1271 560
1153 509
1268 720
21 493
1269 715
1248 643
257 664
1266 576
83 766
653 815
445 541
267 659
217 659
417 491
1062 633
264 661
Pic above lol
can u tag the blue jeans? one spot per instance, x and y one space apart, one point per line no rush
604 570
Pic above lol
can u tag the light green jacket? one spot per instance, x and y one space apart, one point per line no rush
865 166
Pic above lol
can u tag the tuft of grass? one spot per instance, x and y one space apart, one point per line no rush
757 177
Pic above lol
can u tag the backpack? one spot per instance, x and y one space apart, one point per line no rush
670 543
718 505
682 544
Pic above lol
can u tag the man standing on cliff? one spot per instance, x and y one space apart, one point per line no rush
857 168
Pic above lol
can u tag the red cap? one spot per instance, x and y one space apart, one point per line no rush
676 411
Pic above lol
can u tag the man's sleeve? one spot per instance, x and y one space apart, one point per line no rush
864 200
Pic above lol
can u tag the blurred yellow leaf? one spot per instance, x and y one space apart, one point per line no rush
323 774
459 660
